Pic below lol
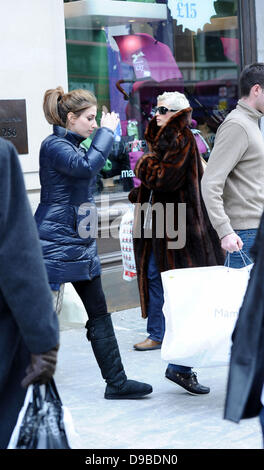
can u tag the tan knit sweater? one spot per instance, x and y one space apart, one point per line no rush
233 182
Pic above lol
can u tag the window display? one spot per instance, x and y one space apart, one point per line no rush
127 61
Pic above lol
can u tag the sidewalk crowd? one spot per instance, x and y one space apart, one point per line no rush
224 218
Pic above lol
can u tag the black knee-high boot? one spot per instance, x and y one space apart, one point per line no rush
101 333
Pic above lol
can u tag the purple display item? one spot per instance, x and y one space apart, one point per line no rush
133 158
150 58
124 127
200 144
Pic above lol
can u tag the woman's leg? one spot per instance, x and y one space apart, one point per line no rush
92 296
156 320
101 333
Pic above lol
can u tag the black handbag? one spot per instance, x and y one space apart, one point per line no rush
42 426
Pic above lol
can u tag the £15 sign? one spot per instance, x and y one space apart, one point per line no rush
192 15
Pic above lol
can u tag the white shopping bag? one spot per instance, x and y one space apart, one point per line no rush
15 434
126 244
201 307
73 310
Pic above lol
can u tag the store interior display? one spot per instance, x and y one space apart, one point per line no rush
128 65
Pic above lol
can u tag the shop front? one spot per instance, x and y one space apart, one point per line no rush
128 53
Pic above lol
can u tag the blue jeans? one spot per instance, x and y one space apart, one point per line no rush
248 238
156 320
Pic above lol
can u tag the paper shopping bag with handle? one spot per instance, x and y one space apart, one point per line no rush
126 245
201 307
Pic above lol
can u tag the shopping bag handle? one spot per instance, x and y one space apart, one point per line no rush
243 256
52 391
148 217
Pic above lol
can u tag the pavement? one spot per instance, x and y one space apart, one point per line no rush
169 418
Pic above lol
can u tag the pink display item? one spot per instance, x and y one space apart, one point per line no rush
150 58
200 144
124 127
133 158
231 49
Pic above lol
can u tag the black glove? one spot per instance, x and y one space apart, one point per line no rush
41 368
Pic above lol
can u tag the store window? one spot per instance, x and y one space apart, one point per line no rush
128 53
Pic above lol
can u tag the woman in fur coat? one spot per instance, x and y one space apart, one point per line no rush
181 235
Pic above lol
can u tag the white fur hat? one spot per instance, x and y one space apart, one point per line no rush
174 100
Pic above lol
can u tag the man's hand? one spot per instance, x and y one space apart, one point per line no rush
41 368
231 243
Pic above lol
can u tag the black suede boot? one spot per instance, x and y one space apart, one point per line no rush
101 333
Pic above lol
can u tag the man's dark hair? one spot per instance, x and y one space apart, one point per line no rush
250 76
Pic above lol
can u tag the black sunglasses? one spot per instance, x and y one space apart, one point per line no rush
163 110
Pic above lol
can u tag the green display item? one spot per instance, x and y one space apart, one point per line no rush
86 143
107 166
87 62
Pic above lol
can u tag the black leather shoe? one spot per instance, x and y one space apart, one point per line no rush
188 381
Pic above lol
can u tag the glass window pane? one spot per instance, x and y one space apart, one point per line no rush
128 56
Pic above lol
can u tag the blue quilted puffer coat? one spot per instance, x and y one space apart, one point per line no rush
68 179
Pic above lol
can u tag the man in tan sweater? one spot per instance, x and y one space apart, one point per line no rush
233 182
233 192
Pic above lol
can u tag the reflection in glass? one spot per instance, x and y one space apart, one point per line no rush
128 61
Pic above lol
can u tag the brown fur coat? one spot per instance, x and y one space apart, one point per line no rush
172 168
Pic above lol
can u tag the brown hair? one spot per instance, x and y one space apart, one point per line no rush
250 76
57 104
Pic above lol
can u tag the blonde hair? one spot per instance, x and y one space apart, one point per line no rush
57 104
175 100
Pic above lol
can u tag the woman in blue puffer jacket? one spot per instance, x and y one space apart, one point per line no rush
68 178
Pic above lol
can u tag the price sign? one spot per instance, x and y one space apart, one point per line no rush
13 123
192 15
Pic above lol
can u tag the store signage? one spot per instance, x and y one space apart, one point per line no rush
13 123
192 15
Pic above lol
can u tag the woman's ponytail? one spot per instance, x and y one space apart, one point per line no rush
51 105
57 104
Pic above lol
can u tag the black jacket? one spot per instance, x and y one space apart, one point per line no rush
246 372
28 323
68 178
